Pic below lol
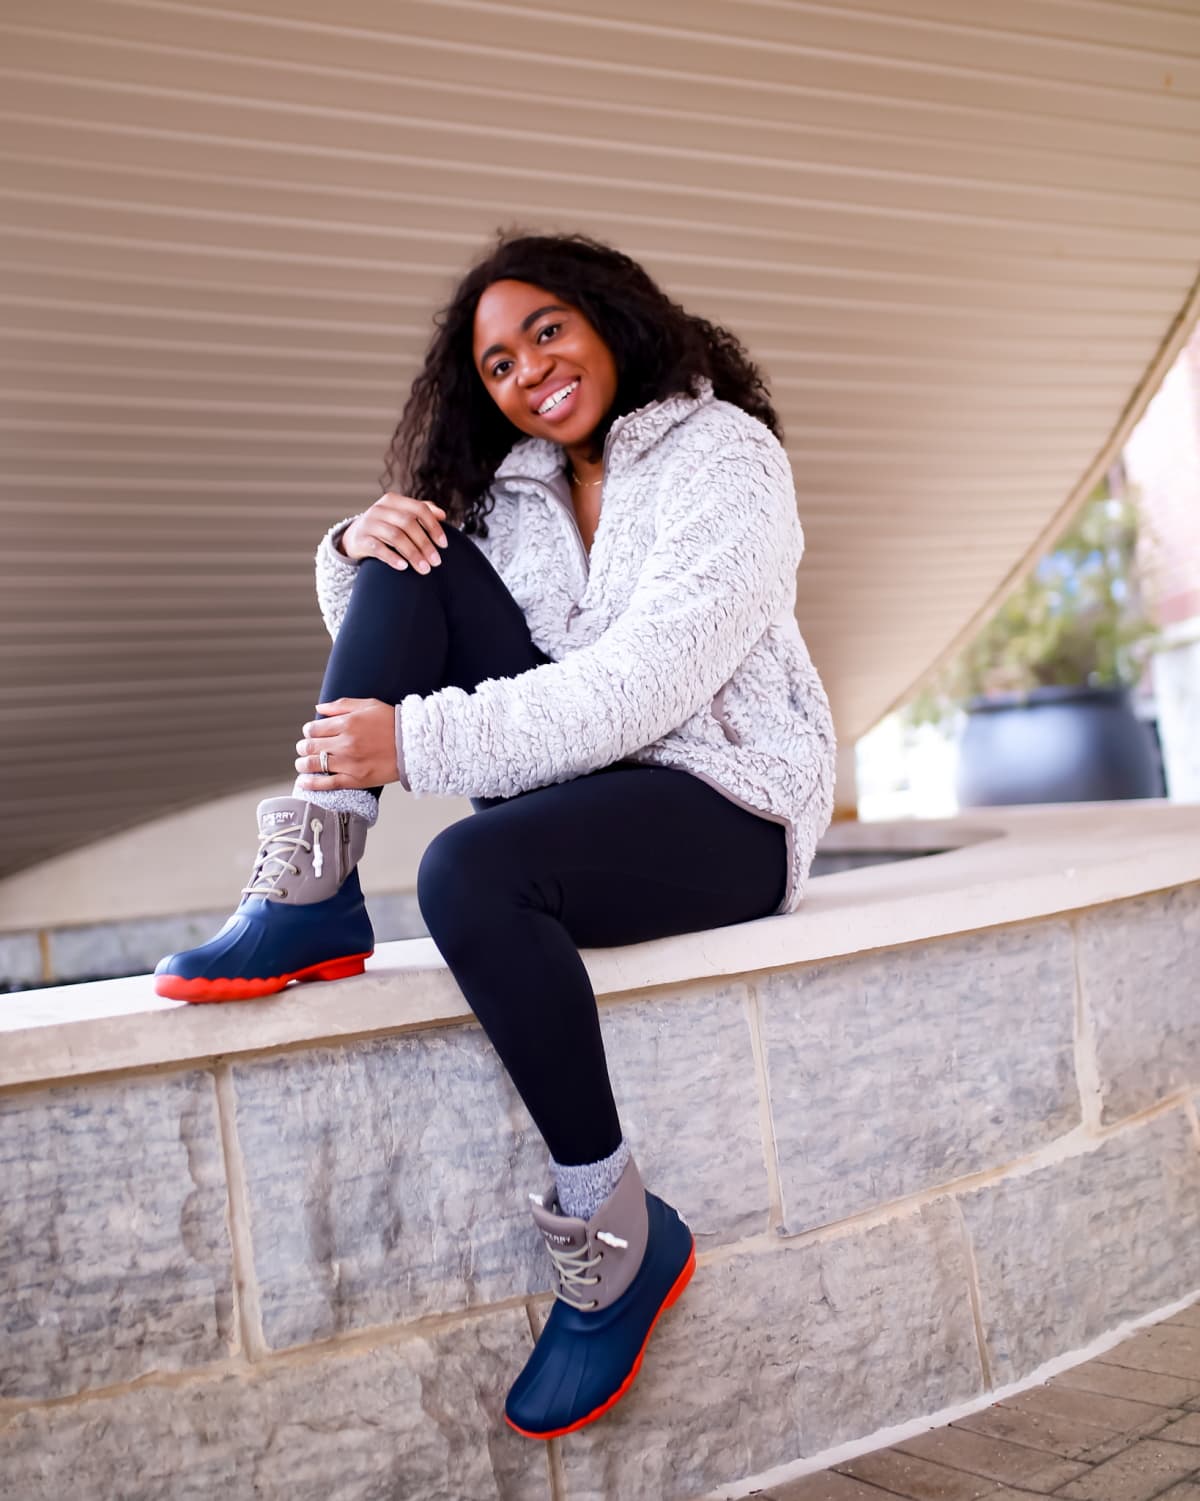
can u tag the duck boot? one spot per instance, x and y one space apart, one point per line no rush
301 917
616 1273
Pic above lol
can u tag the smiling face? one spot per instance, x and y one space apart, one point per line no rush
529 346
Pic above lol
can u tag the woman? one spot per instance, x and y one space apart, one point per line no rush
599 648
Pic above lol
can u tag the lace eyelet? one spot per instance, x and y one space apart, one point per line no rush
283 891
595 1303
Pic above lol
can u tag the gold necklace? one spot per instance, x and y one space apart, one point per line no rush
588 484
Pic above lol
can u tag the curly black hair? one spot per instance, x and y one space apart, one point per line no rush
451 436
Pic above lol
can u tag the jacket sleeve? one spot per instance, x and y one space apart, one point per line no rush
722 566
335 578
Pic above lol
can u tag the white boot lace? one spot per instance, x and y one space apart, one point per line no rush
571 1266
265 881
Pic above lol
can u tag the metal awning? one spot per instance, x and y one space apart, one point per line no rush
962 242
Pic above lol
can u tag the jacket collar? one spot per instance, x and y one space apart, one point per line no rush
630 436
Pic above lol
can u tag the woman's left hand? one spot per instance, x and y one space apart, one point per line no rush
359 738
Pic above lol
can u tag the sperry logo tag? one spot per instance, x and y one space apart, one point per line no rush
272 820
559 1240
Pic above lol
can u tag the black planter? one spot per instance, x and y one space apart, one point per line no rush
1055 745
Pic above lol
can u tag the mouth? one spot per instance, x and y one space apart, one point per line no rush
559 403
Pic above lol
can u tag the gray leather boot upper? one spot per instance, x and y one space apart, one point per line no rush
595 1260
305 851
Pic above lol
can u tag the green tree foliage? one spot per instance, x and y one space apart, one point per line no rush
1077 619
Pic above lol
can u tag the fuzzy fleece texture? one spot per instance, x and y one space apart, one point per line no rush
675 644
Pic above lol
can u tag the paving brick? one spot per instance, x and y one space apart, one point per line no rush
1182 1337
1007 1493
1049 1431
1119 1381
1187 1316
1116 1442
1167 1351
1136 1474
828 1485
1013 1464
1186 1490
917 1479
1184 1431
1118 1414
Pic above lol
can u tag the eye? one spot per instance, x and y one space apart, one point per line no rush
498 367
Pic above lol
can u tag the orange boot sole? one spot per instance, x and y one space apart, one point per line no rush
176 988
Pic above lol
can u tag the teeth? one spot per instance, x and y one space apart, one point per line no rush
552 401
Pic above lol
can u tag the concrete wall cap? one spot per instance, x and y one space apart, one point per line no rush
1003 865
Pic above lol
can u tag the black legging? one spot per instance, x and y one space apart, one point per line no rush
622 854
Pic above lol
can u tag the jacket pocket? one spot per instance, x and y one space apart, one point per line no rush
718 712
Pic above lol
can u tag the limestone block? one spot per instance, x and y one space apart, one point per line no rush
1139 966
114 1254
101 951
389 1179
683 1077
418 1418
1070 1251
898 1071
20 960
774 1355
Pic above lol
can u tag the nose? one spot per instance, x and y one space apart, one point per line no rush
532 365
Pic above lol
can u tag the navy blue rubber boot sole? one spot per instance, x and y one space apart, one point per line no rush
266 945
585 1362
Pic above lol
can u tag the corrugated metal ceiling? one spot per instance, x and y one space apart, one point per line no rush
960 239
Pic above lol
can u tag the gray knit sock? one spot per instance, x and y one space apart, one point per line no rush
583 1188
343 800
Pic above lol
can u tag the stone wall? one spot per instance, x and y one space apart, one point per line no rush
914 1174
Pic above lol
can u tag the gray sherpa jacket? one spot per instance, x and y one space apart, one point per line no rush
675 644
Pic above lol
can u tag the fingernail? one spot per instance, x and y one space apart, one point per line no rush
437 562
423 567
441 542
401 564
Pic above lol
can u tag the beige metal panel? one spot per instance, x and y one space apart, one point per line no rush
788 48
66 87
959 241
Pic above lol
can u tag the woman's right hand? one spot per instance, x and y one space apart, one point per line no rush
399 530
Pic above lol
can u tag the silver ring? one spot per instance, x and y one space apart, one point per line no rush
325 771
